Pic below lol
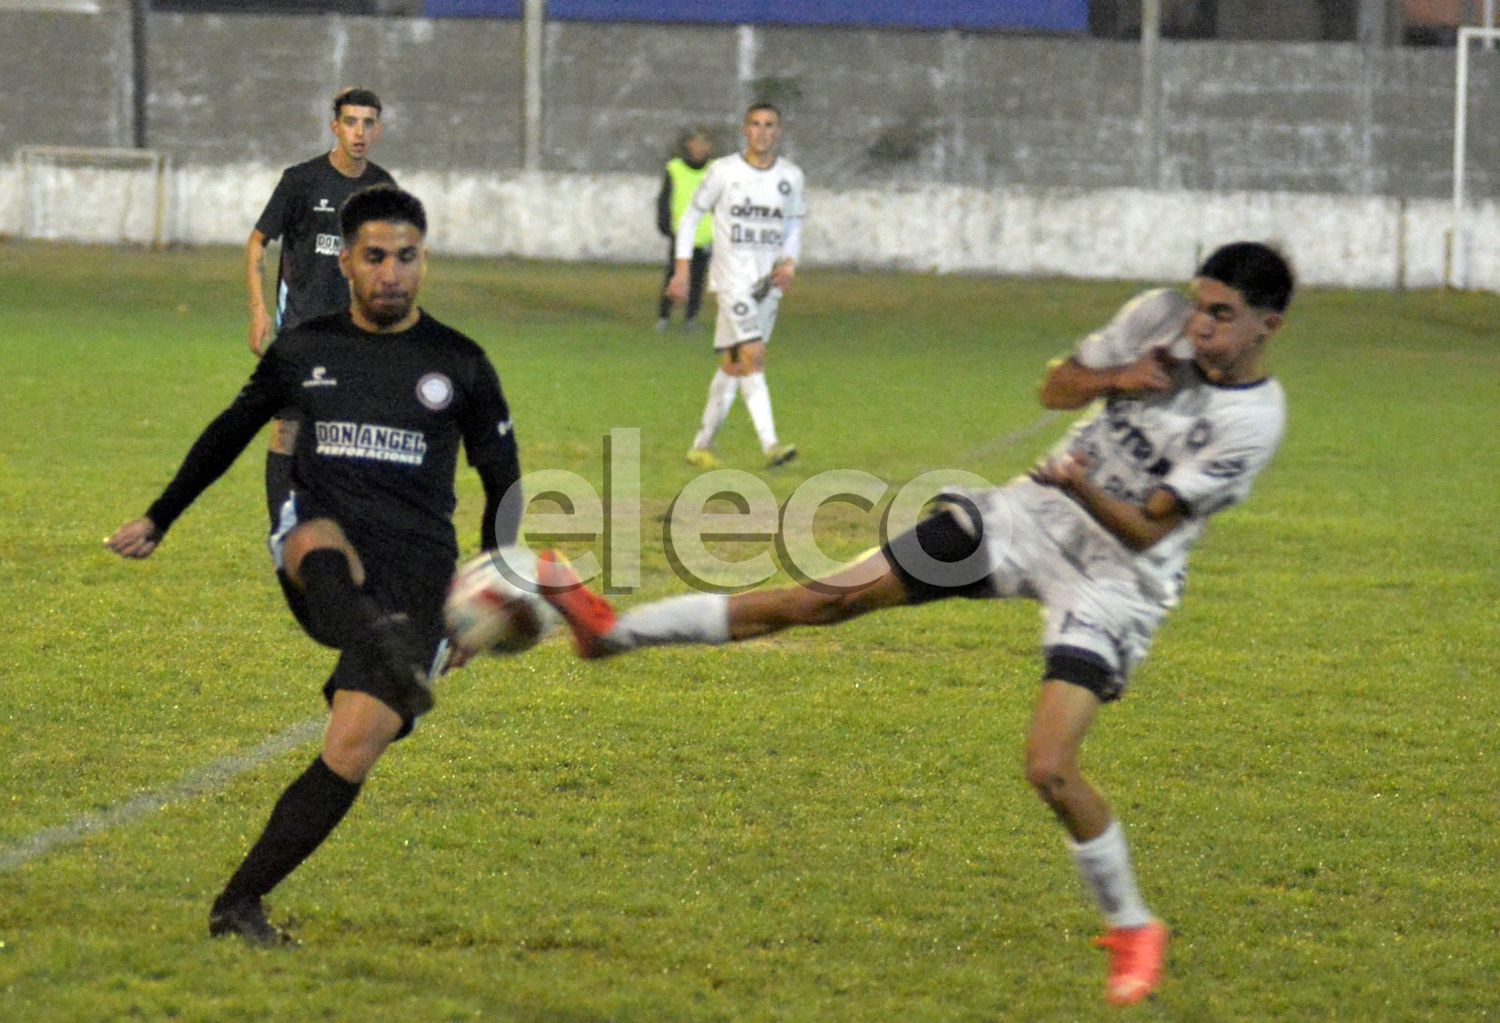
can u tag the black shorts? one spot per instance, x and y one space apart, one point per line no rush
397 583
940 559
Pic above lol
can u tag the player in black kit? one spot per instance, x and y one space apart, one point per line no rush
364 544
304 213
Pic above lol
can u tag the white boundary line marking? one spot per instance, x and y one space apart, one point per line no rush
200 781
1005 440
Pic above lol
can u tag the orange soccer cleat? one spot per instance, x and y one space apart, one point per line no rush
588 615
1135 961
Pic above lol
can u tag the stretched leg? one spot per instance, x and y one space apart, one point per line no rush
757 392
712 618
721 394
1136 939
360 728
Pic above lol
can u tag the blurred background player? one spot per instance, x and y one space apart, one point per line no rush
1099 533
684 174
364 547
304 213
757 203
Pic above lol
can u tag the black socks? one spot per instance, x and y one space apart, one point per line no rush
340 613
306 813
278 483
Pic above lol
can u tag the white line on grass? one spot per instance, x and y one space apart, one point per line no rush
201 781
1005 440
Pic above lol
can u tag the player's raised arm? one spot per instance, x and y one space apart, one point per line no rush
1070 385
209 458
1129 355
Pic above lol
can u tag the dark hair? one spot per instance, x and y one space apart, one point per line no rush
355 97
385 203
1256 270
763 105
699 132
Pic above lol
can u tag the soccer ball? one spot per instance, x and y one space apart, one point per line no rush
495 606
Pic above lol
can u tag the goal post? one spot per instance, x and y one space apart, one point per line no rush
94 194
1460 237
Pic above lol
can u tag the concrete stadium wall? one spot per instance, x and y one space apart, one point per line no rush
866 107
65 80
1135 234
946 151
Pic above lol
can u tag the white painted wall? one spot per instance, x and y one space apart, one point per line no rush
1367 242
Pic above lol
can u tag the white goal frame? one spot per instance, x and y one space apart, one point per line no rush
1459 241
41 197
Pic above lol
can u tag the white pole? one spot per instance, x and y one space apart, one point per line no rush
1487 20
1150 93
1458 274
534 15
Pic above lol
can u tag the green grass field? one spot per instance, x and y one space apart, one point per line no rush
828 826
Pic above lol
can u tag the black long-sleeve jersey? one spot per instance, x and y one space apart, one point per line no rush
383 416
303 212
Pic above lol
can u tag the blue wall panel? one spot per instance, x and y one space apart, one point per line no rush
1033 15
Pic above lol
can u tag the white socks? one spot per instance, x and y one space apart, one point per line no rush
758 401
721 392
691 618
1104 863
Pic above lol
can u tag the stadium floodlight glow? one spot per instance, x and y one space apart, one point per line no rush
1457 275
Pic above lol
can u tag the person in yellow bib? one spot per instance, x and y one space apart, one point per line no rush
684 173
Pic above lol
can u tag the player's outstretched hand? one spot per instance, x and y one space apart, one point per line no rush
136 539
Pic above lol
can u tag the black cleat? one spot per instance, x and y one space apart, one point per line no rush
247 918
398 660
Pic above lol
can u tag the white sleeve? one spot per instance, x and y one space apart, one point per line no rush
687 233
1149 320
791 239
798 206
702 202
1219 473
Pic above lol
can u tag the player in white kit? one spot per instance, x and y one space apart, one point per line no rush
1098 533
756 200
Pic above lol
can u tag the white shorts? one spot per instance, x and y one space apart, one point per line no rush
1092 604
742 318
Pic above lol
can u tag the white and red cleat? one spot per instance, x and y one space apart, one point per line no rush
1135 961
589 616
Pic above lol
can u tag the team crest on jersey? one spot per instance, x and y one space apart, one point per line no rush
1198 437
435 391
784 187
323 207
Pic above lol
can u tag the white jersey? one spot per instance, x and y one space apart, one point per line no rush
757 216
1205 443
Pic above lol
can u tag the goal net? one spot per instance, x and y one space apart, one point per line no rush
87 194
1471 221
